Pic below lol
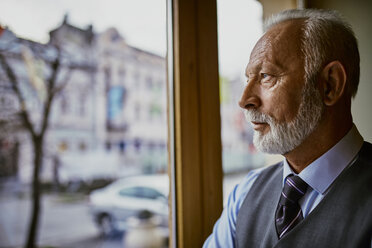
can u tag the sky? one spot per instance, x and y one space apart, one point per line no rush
141 22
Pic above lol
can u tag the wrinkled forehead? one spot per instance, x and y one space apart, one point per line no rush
283 39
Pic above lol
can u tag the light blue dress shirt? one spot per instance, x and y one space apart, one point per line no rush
319 175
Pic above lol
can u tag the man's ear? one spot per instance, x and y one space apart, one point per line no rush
333 79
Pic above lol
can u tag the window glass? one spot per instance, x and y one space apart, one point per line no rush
82 105
151 193
239 27
131 192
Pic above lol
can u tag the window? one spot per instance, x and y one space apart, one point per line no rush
137 80
151 193
238 153
108 146
63 146
107 77
149 83
194 109
137 111
141 192
104 50
196 119
122 74
82 146
64 104
131 192
82 105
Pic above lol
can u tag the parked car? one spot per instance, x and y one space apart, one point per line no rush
113 205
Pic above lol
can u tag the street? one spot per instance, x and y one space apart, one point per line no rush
65 219
65 222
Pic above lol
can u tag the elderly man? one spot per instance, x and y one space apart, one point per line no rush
301 77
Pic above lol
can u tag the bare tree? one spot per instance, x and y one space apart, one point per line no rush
36 129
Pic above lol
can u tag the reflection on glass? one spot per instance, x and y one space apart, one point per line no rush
83 153
239 27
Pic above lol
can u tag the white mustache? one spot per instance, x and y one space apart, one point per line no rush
256 116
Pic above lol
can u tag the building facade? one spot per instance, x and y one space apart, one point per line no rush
109 120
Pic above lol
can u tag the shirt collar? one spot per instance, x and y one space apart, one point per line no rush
321 173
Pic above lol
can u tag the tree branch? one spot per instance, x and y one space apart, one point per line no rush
63 83
15 86
52 81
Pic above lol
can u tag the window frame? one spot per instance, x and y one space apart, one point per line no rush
194 133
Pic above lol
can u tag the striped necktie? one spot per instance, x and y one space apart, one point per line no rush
289 214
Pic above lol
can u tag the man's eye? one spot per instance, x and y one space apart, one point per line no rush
267 79
265 75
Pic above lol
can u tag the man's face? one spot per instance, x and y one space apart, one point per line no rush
282 108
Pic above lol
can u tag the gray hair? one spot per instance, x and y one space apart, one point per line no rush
326 37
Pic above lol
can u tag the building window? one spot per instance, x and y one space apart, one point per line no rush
82 146
107 75
82 106
122 74
137 111
155 111
122 146
63 146
108 146
149 83
137 81
64 104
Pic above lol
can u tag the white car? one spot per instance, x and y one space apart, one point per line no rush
112 205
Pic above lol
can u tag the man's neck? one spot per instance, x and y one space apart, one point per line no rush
318 143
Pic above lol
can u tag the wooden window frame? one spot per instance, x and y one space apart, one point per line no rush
195 152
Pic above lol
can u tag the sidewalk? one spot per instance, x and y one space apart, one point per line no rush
61 221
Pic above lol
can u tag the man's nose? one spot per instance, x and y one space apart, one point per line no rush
249 97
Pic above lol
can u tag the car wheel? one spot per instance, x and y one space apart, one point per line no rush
106 225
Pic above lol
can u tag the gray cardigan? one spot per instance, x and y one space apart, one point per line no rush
342 219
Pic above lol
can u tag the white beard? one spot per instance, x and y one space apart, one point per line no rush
284 137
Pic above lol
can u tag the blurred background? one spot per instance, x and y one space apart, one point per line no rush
83 114
83 118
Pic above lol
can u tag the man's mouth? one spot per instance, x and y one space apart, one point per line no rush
259 126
